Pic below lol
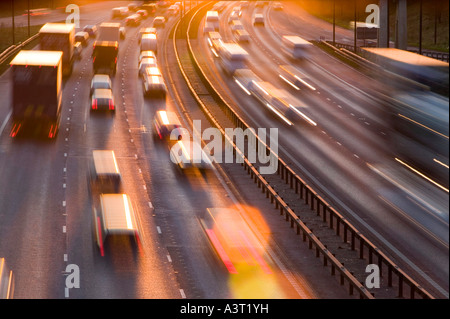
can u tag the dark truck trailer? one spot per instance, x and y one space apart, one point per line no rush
109 31
36 92
59 37
104 57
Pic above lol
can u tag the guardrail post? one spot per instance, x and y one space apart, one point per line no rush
353 240
331 220
301 190
400 286
389 276
380 264
319 204
361 248
338 228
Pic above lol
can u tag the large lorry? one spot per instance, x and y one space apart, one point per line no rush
109 31
36 92
418 112
59 37
104 57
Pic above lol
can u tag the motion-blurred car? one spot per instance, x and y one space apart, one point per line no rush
258 19
146 54
82 37
189 154
91 30
173 10
241 36
277 6
149 42
104 174
236 25
165 123
132 7
150 8
116 223
209 27
119 12
159 22
133 20
77 50
102 99
122 33
154 85
233 16
142 13
100 81
237 247
146 63
143 31
237 10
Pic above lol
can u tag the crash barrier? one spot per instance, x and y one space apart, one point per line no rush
336 221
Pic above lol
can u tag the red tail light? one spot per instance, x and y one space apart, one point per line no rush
111 105
15 130
94 104
52 131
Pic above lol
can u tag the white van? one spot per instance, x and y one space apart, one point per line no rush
105 175
149 42
258 18
116 219
212 17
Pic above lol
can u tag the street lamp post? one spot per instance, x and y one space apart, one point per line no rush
354 36
334 22
13 26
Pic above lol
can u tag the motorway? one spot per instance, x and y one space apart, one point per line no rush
349 154
46 207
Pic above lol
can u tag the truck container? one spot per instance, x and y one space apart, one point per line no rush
36 92
59 37
109 31
104 57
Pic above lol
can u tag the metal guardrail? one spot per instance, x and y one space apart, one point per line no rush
7 53
329 215
442 56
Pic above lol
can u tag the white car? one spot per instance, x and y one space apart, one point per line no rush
189 154
258 19
277 6
159 22
242 36
147 63
233 16
154 85
146 54
100 81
